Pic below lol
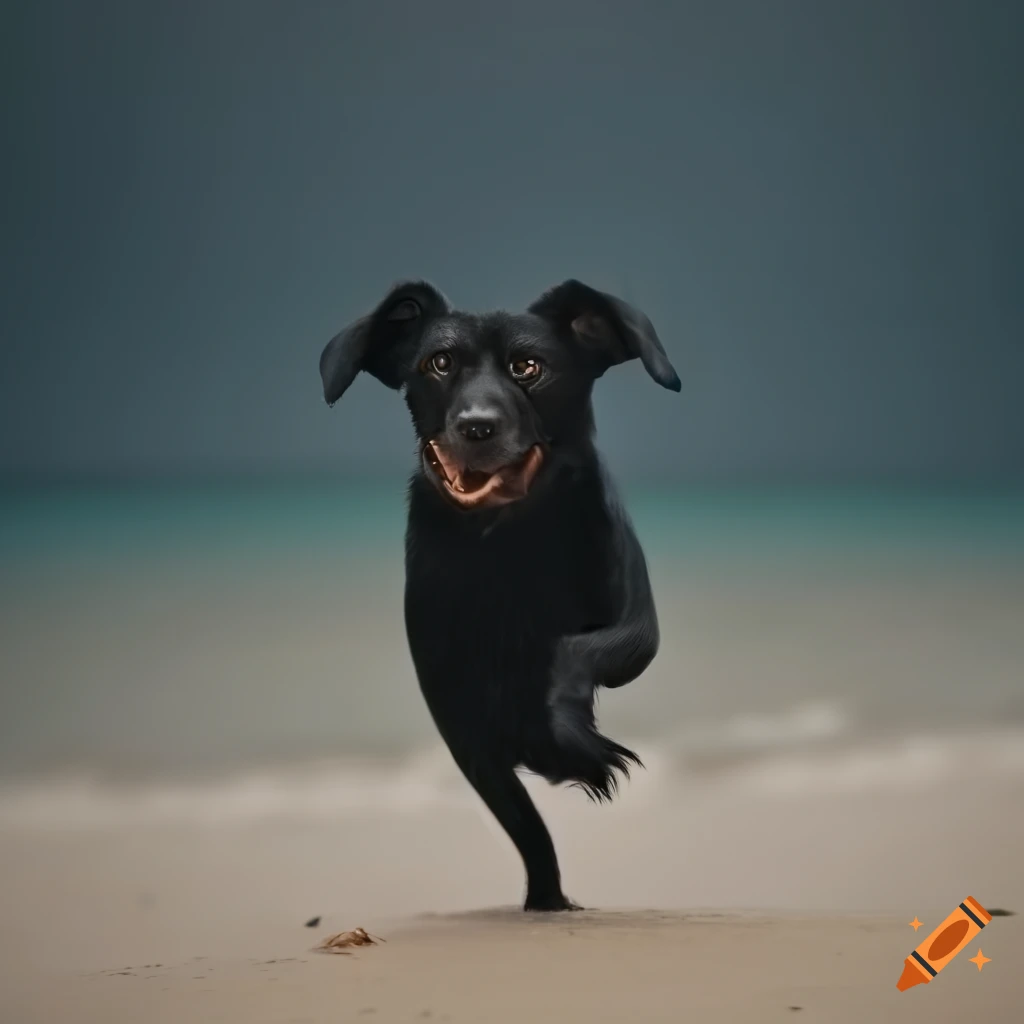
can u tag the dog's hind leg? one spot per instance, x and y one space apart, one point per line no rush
506 798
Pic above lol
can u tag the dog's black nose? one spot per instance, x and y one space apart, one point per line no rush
477 427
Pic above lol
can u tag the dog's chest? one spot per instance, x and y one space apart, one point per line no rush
499 603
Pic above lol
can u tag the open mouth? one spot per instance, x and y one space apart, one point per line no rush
475 489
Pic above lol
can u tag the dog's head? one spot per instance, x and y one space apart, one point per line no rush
495 398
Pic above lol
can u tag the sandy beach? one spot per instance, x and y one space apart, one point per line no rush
501 966
169 917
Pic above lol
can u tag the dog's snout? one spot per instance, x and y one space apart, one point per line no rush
477 426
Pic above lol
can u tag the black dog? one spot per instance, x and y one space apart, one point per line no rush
526 587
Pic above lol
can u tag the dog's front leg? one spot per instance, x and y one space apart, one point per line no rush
607 655
614 653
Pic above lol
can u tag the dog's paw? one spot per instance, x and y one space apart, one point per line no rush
549 904
582 756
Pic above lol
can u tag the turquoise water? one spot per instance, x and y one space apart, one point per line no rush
51 523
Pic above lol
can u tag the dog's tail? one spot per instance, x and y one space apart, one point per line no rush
575 752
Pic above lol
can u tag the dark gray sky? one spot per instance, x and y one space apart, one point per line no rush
819 204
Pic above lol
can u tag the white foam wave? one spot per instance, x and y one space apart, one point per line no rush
752 732
908 763
427 782
322 791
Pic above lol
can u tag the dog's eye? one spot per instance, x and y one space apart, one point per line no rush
439 363
525 369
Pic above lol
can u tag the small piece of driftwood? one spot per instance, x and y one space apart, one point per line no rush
344 941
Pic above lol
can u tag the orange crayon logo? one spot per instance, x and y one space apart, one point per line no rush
943 944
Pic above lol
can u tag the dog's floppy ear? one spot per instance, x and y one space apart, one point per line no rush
382 342
608 329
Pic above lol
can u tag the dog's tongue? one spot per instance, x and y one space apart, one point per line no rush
473 488
472 480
